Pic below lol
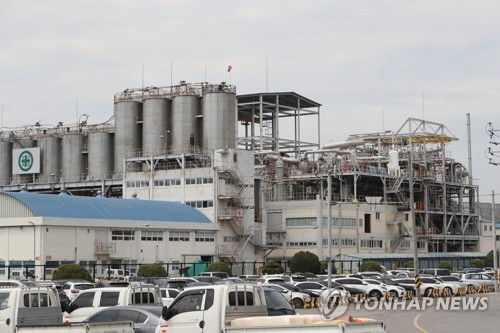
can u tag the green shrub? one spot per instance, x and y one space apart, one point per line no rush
219 267
272 267
409 264
370 266
152 270
477 263
71 271
305 261
488 261
445 264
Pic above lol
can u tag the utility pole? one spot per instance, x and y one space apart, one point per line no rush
493 222
412 216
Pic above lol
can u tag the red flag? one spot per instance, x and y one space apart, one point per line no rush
229 68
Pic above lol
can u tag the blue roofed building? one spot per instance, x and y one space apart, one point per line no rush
54 229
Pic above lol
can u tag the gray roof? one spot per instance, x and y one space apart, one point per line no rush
429 255
64 205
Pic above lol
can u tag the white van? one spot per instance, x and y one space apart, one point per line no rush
92 300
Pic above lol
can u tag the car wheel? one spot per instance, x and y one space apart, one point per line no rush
393 294
375 294
298 303
448 291
428 292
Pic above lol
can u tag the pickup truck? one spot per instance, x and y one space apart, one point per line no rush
241 308
30 308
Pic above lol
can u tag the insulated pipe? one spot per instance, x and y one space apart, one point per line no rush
343 144
335 151
284 159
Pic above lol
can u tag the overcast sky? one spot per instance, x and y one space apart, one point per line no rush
371 64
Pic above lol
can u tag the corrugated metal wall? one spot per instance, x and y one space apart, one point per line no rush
12 207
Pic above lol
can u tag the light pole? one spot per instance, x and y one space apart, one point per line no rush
34 248
493 222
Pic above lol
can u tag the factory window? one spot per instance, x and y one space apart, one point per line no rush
179 236
407 217
167 182
139 183
154 236
301 221
125 235
199 181
377 244
421 245
176 265
377 216
300 244
130 184
230 239
200 204
345 242
345 222
203 236
491 229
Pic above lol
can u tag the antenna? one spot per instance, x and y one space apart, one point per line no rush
76 106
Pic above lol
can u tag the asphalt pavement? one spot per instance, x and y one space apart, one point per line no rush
472 313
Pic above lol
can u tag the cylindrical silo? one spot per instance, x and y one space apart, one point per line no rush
127 132
154 126
5 162
72 159
50 155
20 144
184 135
100 149
219 120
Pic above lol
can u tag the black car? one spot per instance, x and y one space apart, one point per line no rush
145 318
277 305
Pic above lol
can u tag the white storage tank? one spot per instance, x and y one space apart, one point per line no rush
127 132
393 165
50 155
155 114
100 155
5 162
219 120
73 168
184 134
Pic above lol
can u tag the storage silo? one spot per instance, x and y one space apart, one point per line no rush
72 159
185 108
219 120
50 155
5 162
127 132
100 150
155 113
20 144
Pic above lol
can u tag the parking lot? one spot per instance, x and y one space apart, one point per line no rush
431 320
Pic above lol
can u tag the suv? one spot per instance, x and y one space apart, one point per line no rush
72 289
221 275
435 272
371 290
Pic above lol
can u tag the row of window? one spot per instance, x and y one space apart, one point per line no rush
311 222
200 203
172 182
157 236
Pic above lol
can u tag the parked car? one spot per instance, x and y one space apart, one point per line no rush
425 287
296 297
394 291
435 272
145 319
168 295
72 289
276 303
457 280
375 291
480 278
220 275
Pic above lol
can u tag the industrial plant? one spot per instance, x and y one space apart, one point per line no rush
270 193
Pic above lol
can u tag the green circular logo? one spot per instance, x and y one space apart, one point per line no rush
25 161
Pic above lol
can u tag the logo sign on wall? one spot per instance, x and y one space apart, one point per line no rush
25 161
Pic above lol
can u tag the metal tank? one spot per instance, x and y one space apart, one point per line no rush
50 155
100 150
219 120
5 162
127 132
72 158
20 144
185 108
154 126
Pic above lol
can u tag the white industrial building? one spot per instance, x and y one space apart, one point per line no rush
243 162
55 229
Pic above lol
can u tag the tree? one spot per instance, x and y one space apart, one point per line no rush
272 267
445 264
324 268
408 264
477 263
488 261
150 270
305 261
219 267
71 271
370 266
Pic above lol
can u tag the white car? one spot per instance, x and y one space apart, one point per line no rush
392 291
297 298
451 287
425 287
457 280
168 295
372 290
480 278
72 289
